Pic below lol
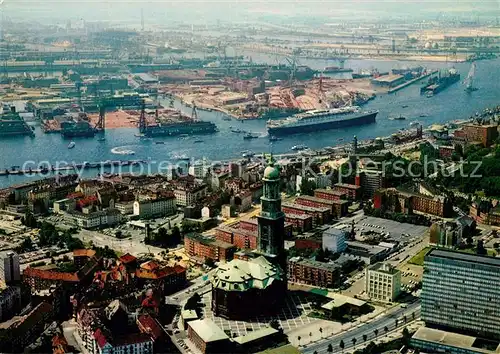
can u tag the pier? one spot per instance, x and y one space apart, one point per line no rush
412 81
72 167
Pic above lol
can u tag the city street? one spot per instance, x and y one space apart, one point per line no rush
388 320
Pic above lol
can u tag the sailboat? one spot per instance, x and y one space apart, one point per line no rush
469 80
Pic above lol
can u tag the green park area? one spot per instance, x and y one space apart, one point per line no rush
418 259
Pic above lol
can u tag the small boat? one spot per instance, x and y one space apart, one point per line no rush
299 147
274 138
404 106
159 142
198 141
249 136
71 145
400 117
423 115
138 135
429 94
248 154
101 139
226 118
414 124
237 131
340 139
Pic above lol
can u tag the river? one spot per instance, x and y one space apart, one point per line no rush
450 104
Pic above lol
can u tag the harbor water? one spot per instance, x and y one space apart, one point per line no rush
451 104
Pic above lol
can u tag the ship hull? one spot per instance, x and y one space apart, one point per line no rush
179 130
76 134
334 124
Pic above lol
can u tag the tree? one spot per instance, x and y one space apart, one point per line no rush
365 337
299 338
375 331
405 319
307 186
470 241
29 220
330 348
321 331
342 345
274 323
354 340
396 322
386 329
406 336
310 336
26 245
209 262
480 250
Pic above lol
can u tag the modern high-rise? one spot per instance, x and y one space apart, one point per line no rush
462 292
271 221
10 271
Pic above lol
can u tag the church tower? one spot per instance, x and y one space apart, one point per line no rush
271 220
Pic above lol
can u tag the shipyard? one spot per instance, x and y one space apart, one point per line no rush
249 177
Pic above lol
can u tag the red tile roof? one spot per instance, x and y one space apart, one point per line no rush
83 253
50 275
151 265
127 258
149 325
100 338
133 338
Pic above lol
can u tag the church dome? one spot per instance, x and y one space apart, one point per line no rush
271 172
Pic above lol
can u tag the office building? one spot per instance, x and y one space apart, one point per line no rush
334 240
382 282
10 271
462 292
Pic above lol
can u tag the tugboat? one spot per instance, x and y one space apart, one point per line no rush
299 147
400 117
249 136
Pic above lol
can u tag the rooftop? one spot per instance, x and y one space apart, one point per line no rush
449 339
465 257
318 200
189 314
254 335
315 264
207 330
339 300
383 268
240 275
303 207
346 185
330 191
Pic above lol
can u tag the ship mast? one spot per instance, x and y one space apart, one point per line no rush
470 77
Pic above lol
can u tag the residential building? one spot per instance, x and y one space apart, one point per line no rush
10 301
330 194
10 271
203 247
188 195
88 219
382 282
208 337
353 191
125 208
461 291
408 201
82 256
148 208
371 181
24 330
314 273
334 240
320 215
300 222
484 134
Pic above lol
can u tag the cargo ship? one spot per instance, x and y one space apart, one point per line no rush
12 124
438 83
336 69
179 128
317 120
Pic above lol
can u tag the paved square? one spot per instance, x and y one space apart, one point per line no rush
293 315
